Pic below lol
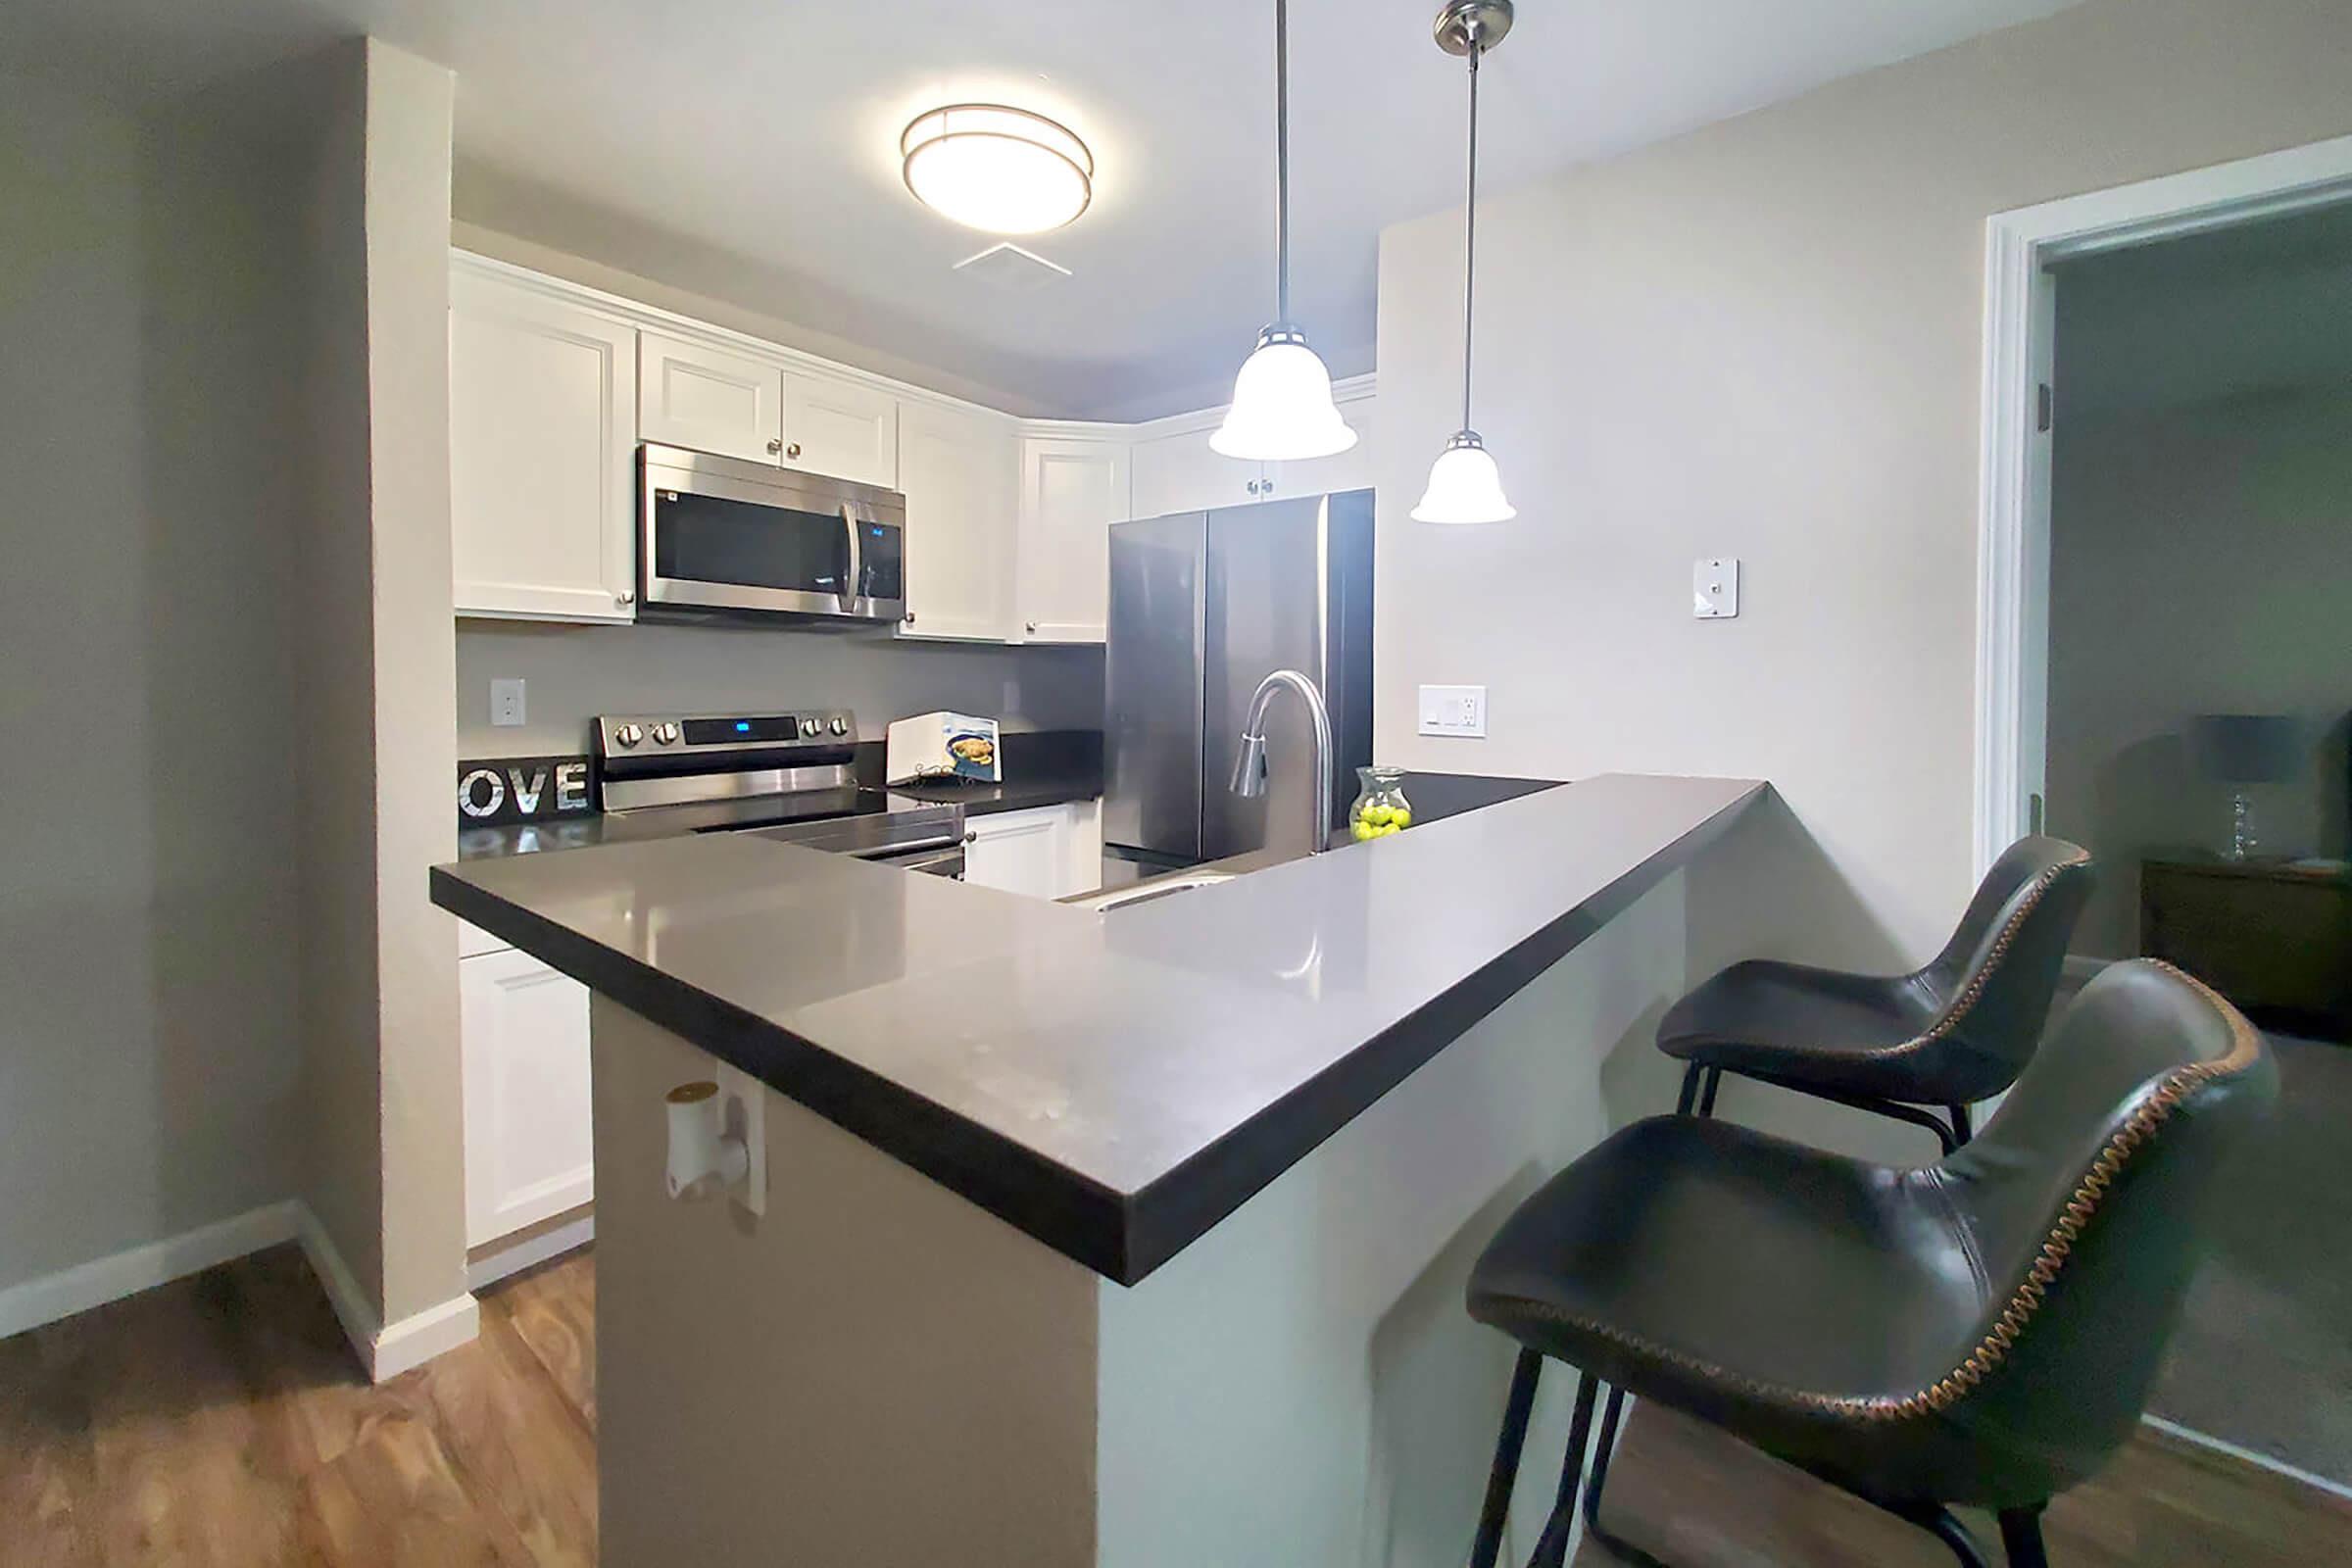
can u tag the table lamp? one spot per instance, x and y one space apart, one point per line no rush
2243 750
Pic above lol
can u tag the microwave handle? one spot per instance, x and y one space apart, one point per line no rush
852 587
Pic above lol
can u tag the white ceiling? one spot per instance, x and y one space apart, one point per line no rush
2257 309
752 142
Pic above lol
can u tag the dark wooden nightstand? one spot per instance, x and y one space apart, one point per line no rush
2274 937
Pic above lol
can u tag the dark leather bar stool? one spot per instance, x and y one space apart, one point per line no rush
1982 1331
1955 1032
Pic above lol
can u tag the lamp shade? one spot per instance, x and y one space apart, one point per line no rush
1282 408
2247 748
1465 485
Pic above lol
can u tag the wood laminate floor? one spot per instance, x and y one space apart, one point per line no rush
222 1420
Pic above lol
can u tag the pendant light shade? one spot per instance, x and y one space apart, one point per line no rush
1282 406
1465 485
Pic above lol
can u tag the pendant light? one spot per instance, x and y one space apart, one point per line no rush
1465 485
1282 406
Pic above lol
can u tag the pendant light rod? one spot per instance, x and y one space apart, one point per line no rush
1282 162
1470 226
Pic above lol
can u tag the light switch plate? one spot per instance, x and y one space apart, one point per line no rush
744 1115
1715 588
506 703
1456 710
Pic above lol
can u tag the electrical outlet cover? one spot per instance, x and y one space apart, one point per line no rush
1715 588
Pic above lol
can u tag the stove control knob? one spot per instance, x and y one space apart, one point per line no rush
809 726
628 735
666 733
840 727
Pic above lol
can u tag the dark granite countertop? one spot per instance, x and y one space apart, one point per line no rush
1114 1084
1013 795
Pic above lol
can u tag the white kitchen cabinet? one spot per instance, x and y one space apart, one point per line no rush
840 427
524 1042
1073 488
961 472
1350 469
1044 853
542 442
706 399
1179 472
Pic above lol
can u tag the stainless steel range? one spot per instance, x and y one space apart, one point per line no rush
788 776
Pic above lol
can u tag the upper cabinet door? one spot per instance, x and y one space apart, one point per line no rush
843 428
708 400
1350 469
541 455
1181 473
1073 488
961 472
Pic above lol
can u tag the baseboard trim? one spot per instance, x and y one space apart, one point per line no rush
530 1253
386 1350
2253 1456
42 1301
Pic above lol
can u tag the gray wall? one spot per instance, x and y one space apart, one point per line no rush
1763 340
2201 561
574 672
148 940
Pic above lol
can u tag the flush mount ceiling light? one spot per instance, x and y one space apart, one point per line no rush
1465 485
1282 406
993 167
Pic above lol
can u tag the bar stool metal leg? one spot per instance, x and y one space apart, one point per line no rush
1961 1130
1707 1101
1507 1447
2021 1537
1690 1097
1623 1550
1551 1548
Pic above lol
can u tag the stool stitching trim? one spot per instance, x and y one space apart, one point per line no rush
1968 997
2082 1205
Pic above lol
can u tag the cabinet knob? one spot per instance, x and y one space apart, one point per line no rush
911 617
1033 627
1254 487
793 450
624 598
971 836
776 446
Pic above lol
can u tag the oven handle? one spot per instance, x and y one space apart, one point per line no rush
853 586
886 852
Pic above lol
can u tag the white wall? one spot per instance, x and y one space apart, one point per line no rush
2201 561
1763 340
148 1057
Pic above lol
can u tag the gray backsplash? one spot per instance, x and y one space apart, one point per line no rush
575 673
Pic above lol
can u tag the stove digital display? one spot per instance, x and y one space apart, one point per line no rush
739 731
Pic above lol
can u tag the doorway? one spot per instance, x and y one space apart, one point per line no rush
2167 467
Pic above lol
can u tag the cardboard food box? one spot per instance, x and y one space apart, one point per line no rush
940 745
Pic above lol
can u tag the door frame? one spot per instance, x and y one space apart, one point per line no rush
2013 518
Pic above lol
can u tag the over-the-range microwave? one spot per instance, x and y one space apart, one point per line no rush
723 537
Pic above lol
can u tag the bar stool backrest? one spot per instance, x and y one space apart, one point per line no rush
1994 979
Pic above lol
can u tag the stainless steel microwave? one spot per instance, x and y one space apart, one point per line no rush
722 537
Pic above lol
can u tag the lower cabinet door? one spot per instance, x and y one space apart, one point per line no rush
524 1035
1020 851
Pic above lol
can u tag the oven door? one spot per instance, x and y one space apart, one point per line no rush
721 534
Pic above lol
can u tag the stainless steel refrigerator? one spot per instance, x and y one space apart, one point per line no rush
1204 604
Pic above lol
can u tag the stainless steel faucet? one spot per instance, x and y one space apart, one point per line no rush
1249 768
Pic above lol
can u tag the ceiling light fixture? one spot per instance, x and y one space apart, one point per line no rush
1282 406
1465 485
1001 170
